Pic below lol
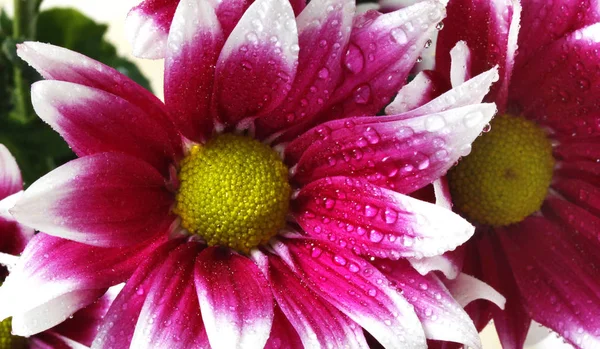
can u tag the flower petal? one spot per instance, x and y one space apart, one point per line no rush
57 63
323 35
257 63
490 33
427 85
93 121
449 263
442 317
563 98
357 289
318 323
236 303
74 276
170 316
573 216
105 199
558 279
195 42
10 176
403 154
460 64
466 289
283 335
378 222
13 236
147 27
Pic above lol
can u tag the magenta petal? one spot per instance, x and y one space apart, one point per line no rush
13 236
195 42
357 289
106 199
323 35
318 323
574 217
57 274
170 316
426 86
10 176
120 321
442 317
257 63
580 193
236 302
490 33
283 335
147 27
377 222
450 263
564 99
93 121
558 279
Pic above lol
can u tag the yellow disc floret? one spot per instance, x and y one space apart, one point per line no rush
233 192
506 176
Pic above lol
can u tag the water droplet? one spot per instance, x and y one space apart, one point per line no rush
435 123
371 135
372 292
316 252
339 260
399 36
427 43
375 236
390 216
246 65
323 73
439 26
371 211
362 94
252 37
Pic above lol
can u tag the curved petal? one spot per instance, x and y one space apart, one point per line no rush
257 63
13 236
170 316
120 321
558 89
318 323
400 154
449 263
322 37
236 303
357 289
558 279
195 42
74 277
426 86
442 317
466 289
57 63
147 27
283 335
574 217
105 199
10 176
374 221
490 33
93 121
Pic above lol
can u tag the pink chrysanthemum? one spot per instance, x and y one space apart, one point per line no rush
530 184
262 204
76 332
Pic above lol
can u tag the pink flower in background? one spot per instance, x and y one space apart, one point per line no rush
531 184
78 331
262 204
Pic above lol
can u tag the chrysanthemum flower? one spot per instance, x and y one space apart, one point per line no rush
76 332
234 221
531 184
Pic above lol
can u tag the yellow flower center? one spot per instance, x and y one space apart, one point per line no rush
506 176
7 340
233 192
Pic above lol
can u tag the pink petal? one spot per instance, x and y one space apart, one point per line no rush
317 322
460 64
56 277
574 217
544 21
13 236
442 317
195 41
57 63
378 222
170 316
558 278
105 199
257 63
147 27
426 86
548 92
580 193
230 12
403 154
10 176
490 33
323 35
357 289
283 335
449 263
93 121
236 302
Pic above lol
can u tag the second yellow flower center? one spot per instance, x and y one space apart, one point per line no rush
506 176
233 192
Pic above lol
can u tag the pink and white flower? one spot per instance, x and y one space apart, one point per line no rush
271 91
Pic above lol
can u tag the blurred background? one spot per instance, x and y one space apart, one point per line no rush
109 16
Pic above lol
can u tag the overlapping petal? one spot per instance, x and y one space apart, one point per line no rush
147 27
283 334
236 302
10 176
13 236
105 199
